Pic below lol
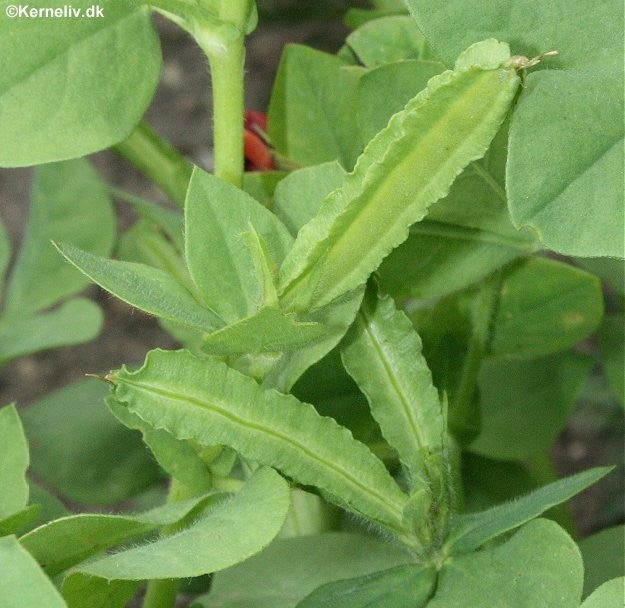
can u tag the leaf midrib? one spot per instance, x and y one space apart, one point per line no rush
393 379
394 510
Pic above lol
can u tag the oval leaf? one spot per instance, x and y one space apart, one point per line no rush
544 306
570 200
298 196
516 423
603 557
289 569
71 86
23 584
76 321
608 595
228 534
311 115
217 215
388 39
409 585
13 463
500 576
70 203
67 541
81 452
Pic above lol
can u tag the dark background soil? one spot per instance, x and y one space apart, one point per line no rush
181 113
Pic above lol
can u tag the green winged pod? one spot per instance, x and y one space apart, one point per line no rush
403 170
212 404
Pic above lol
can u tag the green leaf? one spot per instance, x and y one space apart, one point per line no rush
500 576
262 184
69 203
81 452
359 224
356 17
144 244
82 591
451 27
526 404
49 507
204 400
603 557
19 520
175 456
144 287
610 270
382 353
388 39
228 534
218 257
300 194
13 464
311 114
5 253
465 237
609 595
76 321
409 585
264 267
336 318
23 584
473 530
63 543
290 569
269 330
168 220
569 199
386 89
610 342
74 86
544 307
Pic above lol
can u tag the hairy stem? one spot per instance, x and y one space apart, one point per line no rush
161 593
226 65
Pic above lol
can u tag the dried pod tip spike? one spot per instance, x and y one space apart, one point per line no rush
106 378
520 62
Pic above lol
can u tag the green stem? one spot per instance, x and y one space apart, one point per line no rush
464 414
158 160
226 65
161 593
